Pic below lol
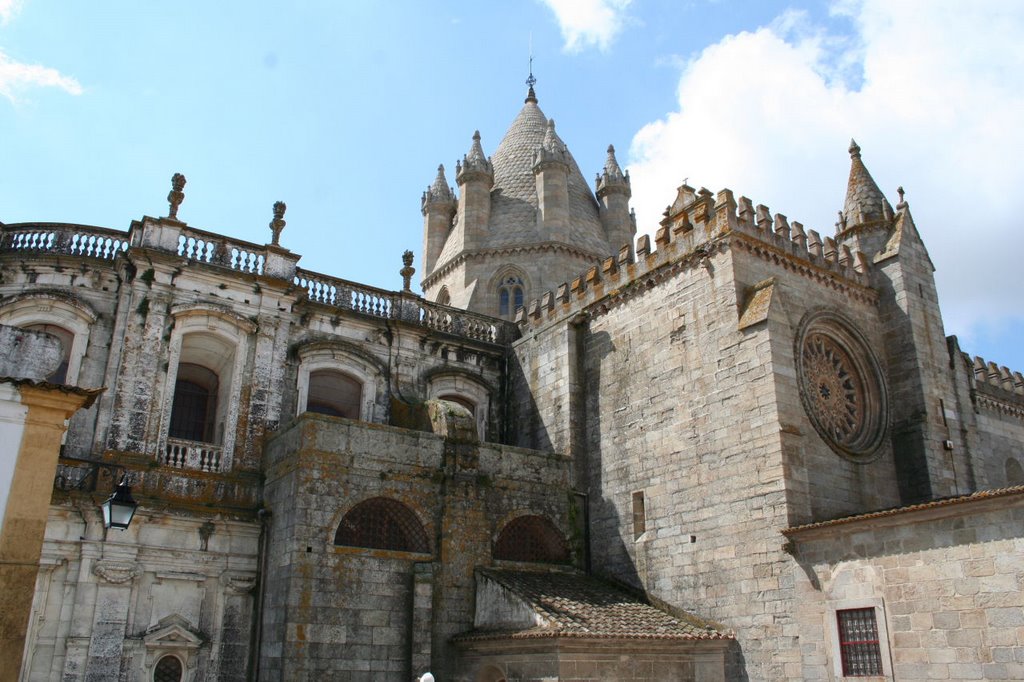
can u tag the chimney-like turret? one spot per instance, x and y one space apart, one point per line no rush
613 193
438 206
475 177
551 168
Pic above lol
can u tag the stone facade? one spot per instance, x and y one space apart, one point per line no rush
341 482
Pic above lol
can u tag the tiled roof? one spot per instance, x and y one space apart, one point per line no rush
863 198
934 504
514 203
577 605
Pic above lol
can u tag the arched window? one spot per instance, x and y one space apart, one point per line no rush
334 393
203 376
382 523
67 339
443 297
168 669
194 410
1014 472
531 538
510 295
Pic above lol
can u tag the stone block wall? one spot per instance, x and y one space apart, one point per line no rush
945 582
101 602
388 613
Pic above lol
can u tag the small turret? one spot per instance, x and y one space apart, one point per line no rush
551 169
438 206
613 193
867 217
475 176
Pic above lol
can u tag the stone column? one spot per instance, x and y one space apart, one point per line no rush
28 504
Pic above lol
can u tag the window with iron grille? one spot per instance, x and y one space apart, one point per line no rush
531 538
859 645
381 523
168 669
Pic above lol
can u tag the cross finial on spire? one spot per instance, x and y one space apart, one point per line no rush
531 96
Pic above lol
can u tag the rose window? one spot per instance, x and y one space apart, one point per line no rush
841 387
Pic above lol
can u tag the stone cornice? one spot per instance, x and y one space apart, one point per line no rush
511 250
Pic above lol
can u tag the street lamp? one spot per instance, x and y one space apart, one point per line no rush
119 508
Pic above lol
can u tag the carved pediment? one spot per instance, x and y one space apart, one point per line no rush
173 632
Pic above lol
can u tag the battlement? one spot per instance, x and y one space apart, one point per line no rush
695 226
989 374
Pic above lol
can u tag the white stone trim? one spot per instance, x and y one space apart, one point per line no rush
332 357
455 383
229 329
832 636
43 308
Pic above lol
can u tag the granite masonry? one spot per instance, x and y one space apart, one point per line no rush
732 449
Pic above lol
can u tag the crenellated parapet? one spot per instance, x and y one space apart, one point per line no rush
997 387
696 226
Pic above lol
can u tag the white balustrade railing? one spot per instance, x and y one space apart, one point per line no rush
187 454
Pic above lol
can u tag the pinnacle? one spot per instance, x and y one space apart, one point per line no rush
864 200
611 164
531 96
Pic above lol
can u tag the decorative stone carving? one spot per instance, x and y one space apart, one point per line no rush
841 386
408 271
176 196
238 583
278 223
116 572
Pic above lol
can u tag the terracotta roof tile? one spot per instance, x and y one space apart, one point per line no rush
577 605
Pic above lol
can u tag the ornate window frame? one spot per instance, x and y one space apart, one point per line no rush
59 309
447 382
506 278
228 328
334 356
841 386
172 636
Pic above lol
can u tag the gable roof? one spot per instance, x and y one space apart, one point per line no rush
576 605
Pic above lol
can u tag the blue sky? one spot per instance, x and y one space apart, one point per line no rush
344 110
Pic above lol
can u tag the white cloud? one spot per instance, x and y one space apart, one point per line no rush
8 8
588 23
932 91
16 76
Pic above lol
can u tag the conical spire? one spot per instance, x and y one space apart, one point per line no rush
551 142
475 161
613 176
864 201
439 191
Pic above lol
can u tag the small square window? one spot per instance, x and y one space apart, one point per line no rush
639 515
859 645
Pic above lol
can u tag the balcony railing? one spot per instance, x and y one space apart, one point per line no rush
215 249
375 302
187 454
64 239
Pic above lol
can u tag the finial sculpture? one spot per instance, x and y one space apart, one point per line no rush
278 223
902 203
408 271
176 195
841 225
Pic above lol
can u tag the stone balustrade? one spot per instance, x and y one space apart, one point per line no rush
187 454
407 307
214 249
64 239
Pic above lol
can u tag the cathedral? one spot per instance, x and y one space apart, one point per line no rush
734 448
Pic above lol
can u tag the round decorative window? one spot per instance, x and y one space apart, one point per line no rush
841 386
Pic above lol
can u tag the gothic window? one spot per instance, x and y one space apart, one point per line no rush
334 393
510 295
443 297
168 669
382 523
531 538
841 386
859 644
67 339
